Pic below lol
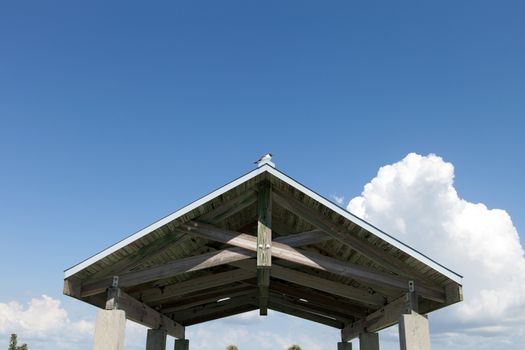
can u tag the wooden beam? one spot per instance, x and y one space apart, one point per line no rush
323 300
150 251
192 263
214 307
301 305
191 286
229 208
205 298
142 313
312 259
380 319
315 218
318 283
221 314
264 244
275 305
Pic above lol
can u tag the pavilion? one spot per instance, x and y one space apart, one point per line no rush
263 241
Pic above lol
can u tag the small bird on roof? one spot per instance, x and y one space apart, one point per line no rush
266 158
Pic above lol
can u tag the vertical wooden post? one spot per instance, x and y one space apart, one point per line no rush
368 341
156 339
182 344
264 244
344 346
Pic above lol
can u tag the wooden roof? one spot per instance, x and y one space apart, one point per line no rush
263 241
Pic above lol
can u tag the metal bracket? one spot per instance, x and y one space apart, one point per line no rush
411 286
114 284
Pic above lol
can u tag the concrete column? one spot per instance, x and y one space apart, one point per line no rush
182 344
413 332
368 341
343 345
109 330
156 339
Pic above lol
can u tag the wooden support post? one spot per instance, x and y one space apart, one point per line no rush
182 344
141 313
344 345
264 244
414 332
156 339
109 330
368 341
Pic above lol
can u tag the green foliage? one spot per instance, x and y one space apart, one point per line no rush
13 344
232 347
294 347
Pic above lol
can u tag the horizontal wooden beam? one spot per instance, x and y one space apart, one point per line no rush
142 313
205 298
215 307
378 320
318 283
277 306
215 315
301 305
191 286
311 259
326 301
192 263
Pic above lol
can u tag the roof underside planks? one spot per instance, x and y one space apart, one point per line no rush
327 265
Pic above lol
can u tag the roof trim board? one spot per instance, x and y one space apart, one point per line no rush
281 176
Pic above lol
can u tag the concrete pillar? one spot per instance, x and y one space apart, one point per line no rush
343 345
413 332
156 339
368 341
182 344
109 330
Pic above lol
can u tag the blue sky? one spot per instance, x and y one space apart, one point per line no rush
114 115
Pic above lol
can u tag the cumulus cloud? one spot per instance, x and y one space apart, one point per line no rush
416 201
43 321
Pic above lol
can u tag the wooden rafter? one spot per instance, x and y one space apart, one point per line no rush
318 283
318 220
194 285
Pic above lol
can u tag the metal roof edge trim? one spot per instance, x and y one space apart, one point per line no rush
371 228
148 229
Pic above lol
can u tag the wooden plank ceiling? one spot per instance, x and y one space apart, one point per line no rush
263 244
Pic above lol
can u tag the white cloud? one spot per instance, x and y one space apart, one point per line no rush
415 200
43 321
338 199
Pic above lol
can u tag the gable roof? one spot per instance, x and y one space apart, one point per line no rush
266 168
198 264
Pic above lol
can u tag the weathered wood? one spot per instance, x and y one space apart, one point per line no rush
215 307
275 305
221 314
142 313
378 256
264 242
454 293
300 305
72 287
312 259
194 285
229 208
205 298
314 282
264 225
193 263
326 301
150 251
380 319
